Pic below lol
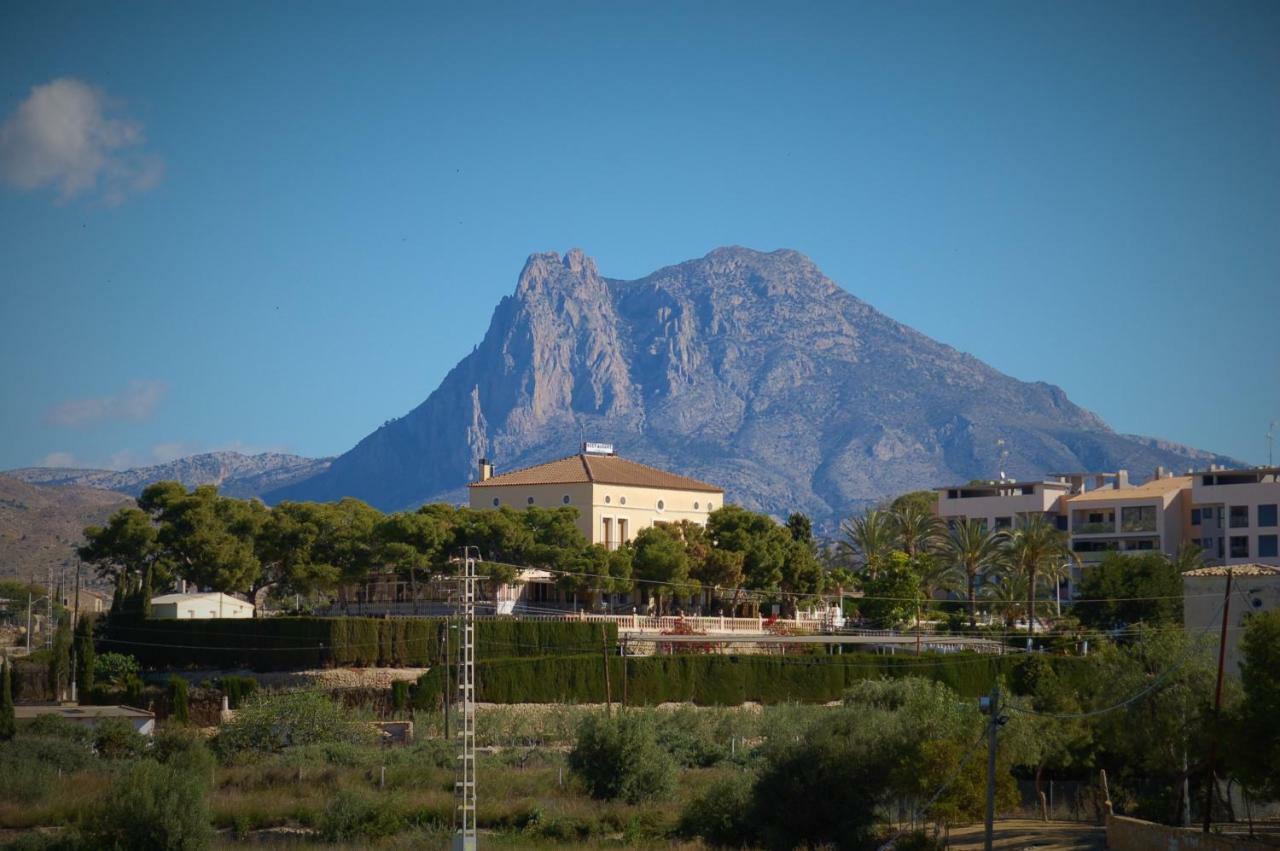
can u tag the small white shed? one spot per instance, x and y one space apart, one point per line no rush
196 606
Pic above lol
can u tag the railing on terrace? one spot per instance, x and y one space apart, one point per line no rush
1097 528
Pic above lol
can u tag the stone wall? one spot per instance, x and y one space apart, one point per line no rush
1130 834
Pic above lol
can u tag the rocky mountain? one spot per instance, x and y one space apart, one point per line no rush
41 526
235 474
751 370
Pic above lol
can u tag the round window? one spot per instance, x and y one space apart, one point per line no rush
496 501
607 500
710 507
529 500
661 505
695 506
566 499
622 500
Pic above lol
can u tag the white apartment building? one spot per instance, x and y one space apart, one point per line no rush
1233 515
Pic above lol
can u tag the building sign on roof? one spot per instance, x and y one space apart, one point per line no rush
598 448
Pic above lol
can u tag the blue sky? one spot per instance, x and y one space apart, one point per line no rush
275 225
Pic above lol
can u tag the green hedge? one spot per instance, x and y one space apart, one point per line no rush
282 644
710 680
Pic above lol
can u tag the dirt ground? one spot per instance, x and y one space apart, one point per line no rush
1017 834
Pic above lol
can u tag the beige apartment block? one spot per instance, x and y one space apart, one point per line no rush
1233 515
1151 517
1000 504
1255 588
615 498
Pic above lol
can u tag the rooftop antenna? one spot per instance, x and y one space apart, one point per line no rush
1004 456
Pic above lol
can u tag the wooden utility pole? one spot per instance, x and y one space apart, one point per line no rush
604 654
1217 707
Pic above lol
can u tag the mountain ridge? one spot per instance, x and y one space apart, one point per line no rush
235 473
749 369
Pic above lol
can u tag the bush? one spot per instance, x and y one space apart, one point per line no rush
237 689
160 807
617 756
399 695
721 814
178 706
115 738
691 737
114 668
183 749
358 816
52 752
271 723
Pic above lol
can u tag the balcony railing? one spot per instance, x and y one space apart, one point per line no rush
1138 526
1103 528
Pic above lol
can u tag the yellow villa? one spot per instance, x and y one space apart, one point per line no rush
615 497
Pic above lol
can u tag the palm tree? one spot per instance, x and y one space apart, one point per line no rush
869 539
972 550
918 530
1035 546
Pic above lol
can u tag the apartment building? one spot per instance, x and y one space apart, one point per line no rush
1233 515
1151 517
999 504
615 497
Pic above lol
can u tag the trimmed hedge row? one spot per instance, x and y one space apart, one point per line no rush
282 644
709 680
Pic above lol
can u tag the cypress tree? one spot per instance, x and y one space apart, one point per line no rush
7 724
85 656
178 705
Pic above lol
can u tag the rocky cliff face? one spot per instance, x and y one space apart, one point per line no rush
234 473
748 369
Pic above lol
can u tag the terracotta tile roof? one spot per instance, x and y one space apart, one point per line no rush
600 469
1237 569
1153 488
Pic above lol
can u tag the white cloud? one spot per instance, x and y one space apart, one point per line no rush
135 403
68 135
57 459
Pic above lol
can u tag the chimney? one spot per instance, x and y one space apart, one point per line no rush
1160 473
486 470
1122 479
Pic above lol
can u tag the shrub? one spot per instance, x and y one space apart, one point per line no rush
399 695
7 725
358 816
115 738
237 689
690 736
722 813
114 668
160 807
272 722
617 756
183 749
54 753
178 706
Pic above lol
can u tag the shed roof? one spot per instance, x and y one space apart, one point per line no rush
598 469
197 595
26 710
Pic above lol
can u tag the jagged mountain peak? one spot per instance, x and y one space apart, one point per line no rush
747 368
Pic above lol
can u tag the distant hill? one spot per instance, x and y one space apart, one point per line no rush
41 526
748 369
234 473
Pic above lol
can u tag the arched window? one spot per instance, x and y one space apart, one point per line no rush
496 501
566 499
661 505
529 500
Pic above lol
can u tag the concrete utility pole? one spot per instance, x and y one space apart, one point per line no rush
465 785
993 710
1209 782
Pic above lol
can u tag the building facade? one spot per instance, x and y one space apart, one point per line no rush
197 606
1000 504
1255 588
615 498
1151 517
1233 515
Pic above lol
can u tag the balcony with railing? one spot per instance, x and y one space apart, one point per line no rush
1094 527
